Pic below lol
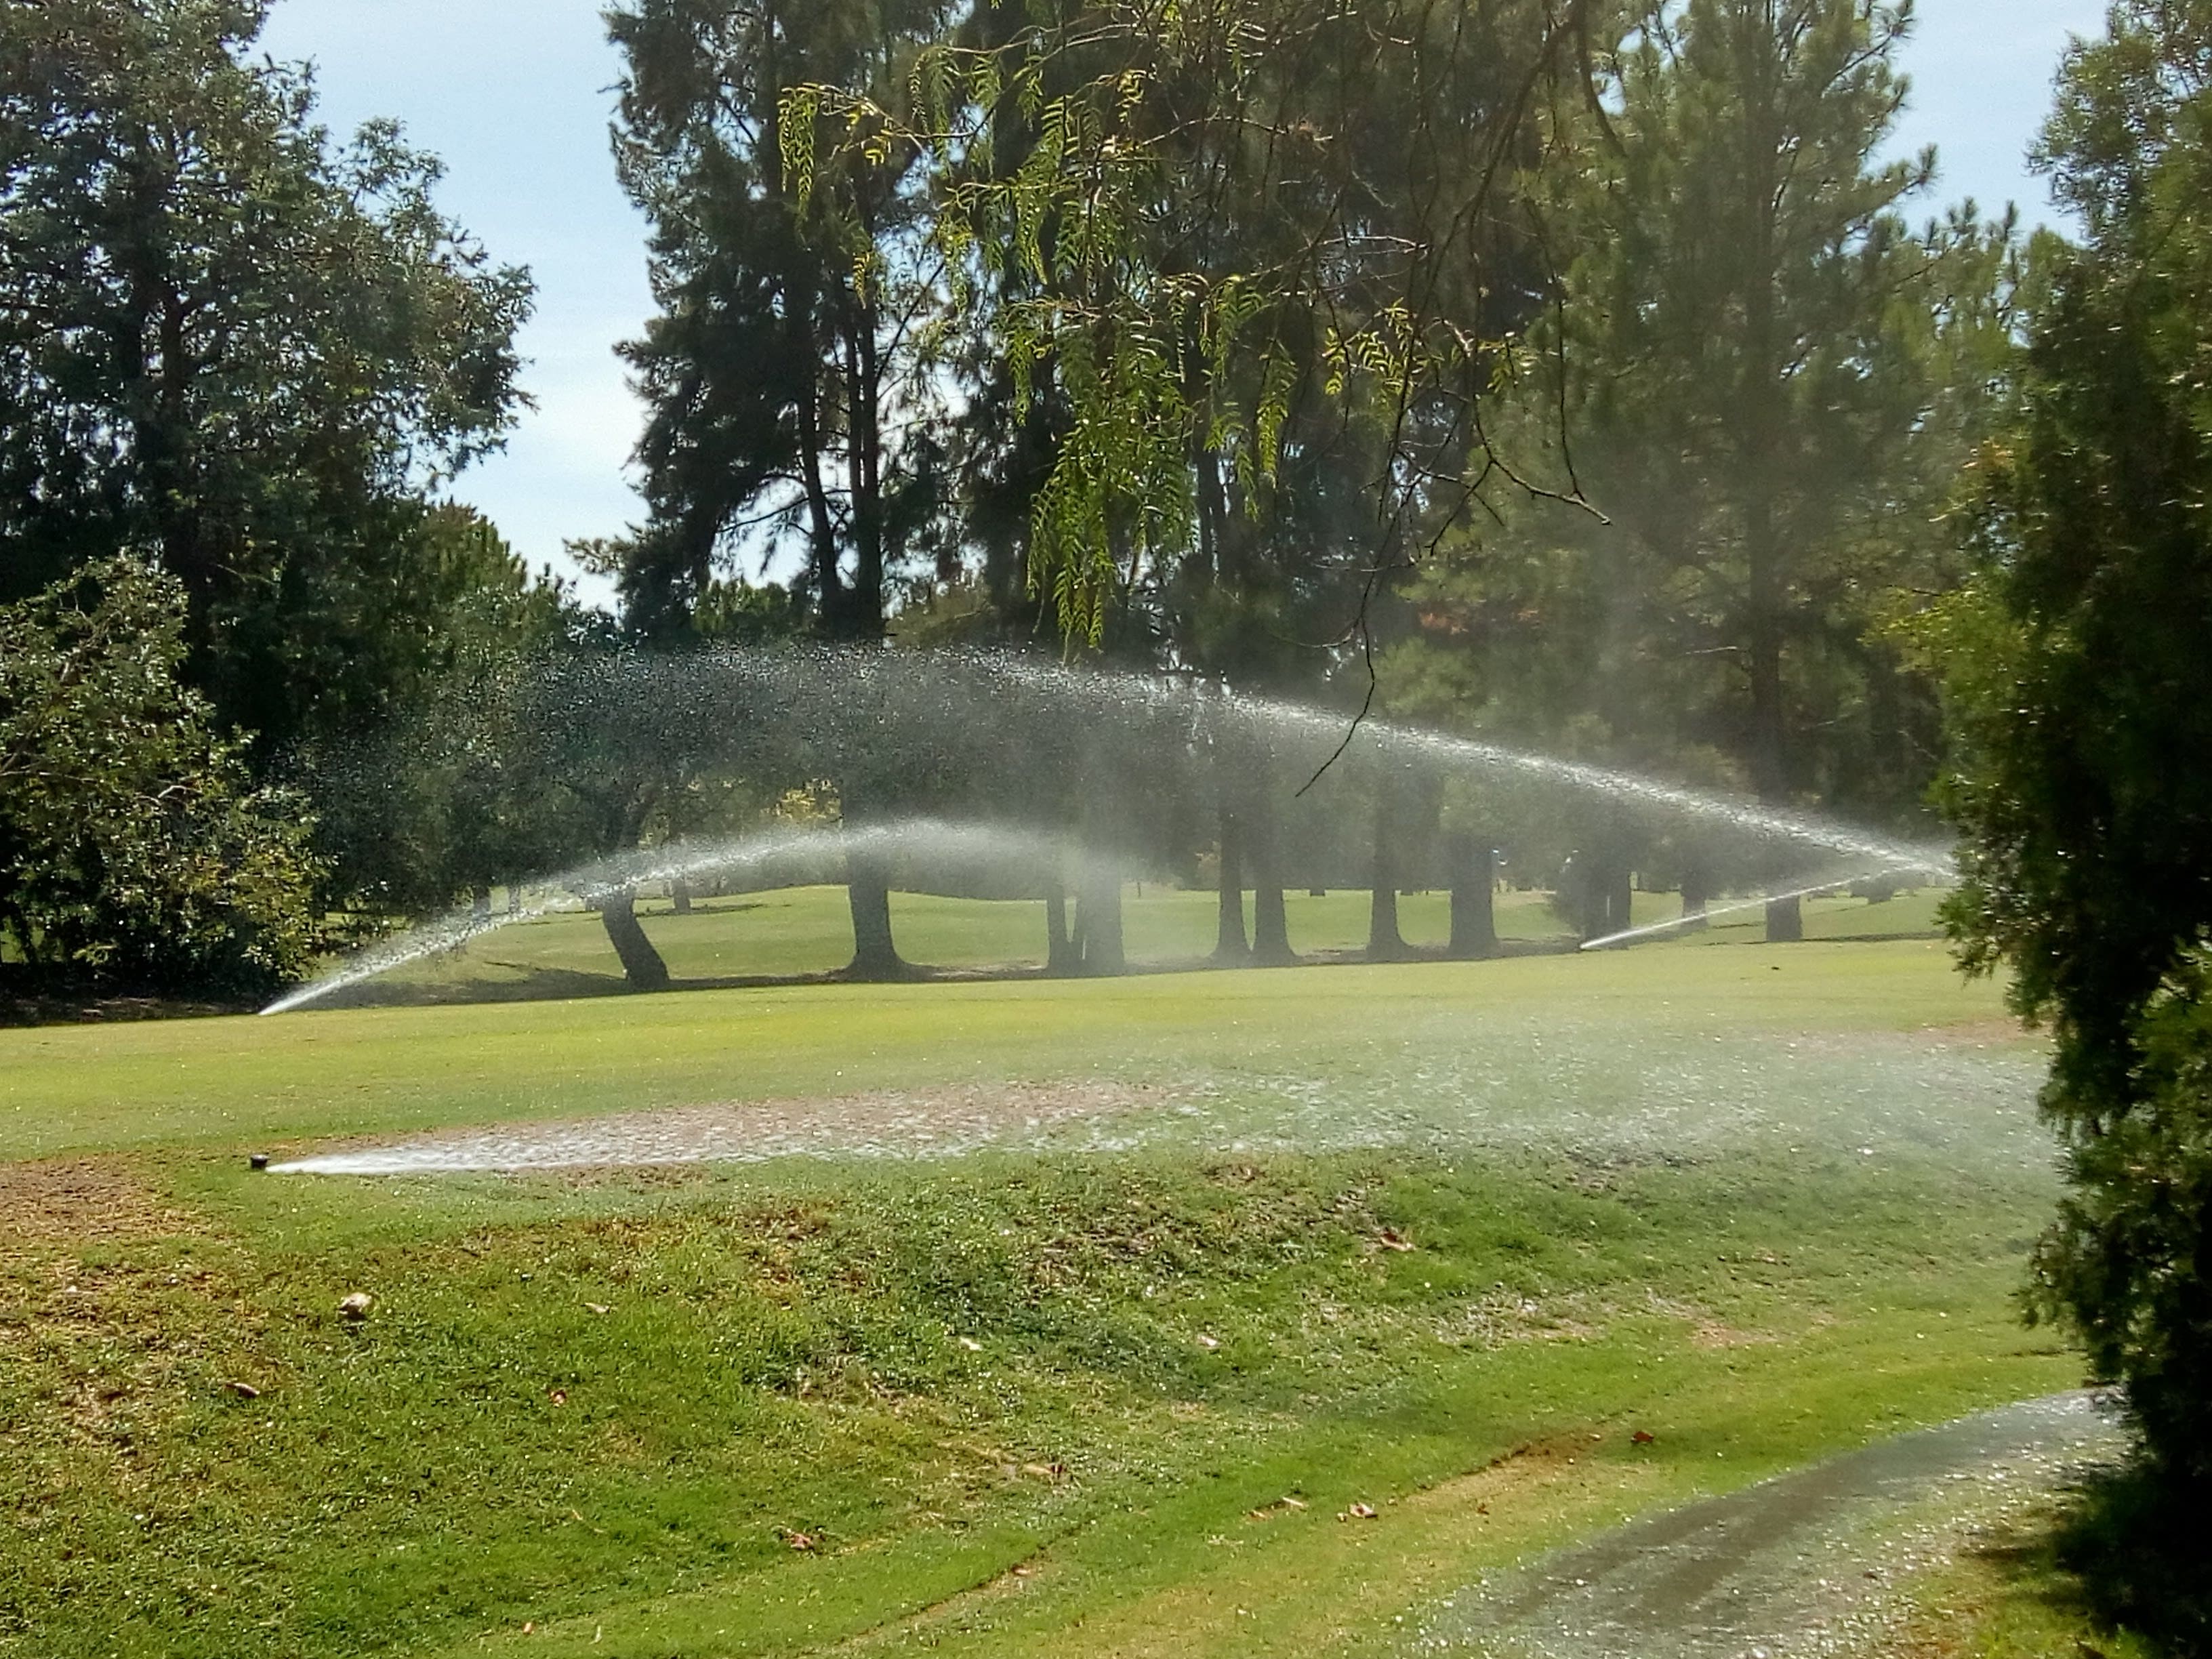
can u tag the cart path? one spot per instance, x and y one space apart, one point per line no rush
1802 1564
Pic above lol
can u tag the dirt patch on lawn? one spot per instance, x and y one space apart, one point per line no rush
887 1123
80 1200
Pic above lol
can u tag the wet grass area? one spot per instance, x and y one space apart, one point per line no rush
1367 1282
798 933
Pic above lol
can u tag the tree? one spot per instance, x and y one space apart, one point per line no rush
1760 381
229 342
134 847
432 801
2084 698
788 395
782 375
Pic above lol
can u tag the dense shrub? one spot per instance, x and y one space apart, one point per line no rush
134 849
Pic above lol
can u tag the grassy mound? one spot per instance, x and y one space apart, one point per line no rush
1502 1252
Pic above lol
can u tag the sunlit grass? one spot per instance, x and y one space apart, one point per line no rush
1435 1238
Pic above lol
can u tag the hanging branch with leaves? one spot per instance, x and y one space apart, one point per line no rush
1186 214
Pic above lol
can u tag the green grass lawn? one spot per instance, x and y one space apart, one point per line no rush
806 930
1438 1239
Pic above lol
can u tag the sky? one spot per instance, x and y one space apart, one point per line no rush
516 95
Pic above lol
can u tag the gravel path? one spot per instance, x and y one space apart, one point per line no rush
1802 1564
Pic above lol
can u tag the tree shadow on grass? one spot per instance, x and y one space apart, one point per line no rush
2126 1555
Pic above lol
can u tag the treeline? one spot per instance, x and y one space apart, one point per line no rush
1567 373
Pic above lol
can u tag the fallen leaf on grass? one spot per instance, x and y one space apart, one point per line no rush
599 1307
559 1396
1390 1240
800 1540
970 1343
1045 1471
1642 1437
1209 1343
1358 1512
243 1391
357 1306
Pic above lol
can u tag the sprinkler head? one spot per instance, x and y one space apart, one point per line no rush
258 1161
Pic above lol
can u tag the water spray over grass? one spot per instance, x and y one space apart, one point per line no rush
772 858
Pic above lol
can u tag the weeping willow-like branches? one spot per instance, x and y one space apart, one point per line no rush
1177 221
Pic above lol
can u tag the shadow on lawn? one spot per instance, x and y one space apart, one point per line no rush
2127 1555
529 982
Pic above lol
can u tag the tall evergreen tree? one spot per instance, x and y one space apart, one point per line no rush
2085 694
1761 382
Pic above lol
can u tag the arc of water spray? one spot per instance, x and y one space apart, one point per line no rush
587 885
1326 726
1674 924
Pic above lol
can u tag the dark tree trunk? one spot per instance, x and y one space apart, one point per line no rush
641 965
1271 924
1230 945
1473 914
679 897
1785 920
1620 901
1384 942
1062 955
1694 899
1098 921
868 891
480 905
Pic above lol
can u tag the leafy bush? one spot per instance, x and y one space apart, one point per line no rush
134 849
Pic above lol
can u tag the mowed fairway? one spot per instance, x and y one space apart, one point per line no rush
1438 1240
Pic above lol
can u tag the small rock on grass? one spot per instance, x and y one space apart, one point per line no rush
357 1306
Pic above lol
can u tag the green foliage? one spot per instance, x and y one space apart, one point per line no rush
1737 428
133 847
1172 225
429 802
2084 697
229 341
786 375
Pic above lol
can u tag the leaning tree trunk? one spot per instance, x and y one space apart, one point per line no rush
479 904
1231 947
1384 942
641 965
679 896
1473 912
1271 924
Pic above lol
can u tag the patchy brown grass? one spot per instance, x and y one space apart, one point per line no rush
75 1201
